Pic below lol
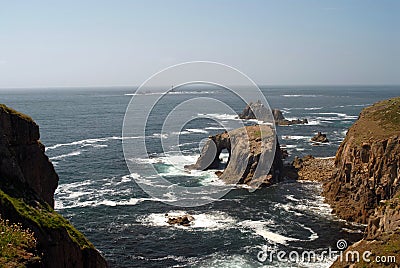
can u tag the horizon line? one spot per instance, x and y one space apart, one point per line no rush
136 86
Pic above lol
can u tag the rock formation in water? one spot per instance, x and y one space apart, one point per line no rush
27 184
365 185
319 137
256 110
248 160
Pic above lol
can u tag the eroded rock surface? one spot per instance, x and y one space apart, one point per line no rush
256 110
249 161
367 163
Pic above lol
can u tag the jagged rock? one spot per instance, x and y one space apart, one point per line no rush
319 137
313 169
256 110
184 220
245 155
27 184
367 163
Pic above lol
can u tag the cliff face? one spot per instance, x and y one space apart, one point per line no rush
22 157
367 164
365 186
27 185
248 159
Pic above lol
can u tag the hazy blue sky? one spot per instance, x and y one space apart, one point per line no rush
84 43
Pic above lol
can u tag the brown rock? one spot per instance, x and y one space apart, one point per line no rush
367 163
319 137
245 154
184 220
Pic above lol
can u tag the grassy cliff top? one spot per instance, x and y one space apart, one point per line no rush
377 122
9 110
43 217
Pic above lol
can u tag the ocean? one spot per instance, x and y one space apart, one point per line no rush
82 131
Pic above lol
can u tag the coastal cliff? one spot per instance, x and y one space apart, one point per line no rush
367 163
247 156
27 184
365 185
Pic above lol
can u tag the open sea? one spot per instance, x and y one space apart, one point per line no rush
81 129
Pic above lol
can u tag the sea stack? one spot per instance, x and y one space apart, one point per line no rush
248 159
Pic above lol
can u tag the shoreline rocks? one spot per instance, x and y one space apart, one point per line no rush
313 169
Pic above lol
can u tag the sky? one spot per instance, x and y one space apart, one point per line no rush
122 43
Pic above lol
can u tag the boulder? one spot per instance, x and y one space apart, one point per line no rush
319 137
184 220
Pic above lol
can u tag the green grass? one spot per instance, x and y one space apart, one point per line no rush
17 245
9 110
377 122
43 216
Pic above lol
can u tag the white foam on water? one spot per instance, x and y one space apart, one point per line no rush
313 234
196 130
295 137
58 157
88 142
288 146
200 92
96 192
159 135
261 228
313 108
221 116
314 122
216 220
299 95
215 128
291 197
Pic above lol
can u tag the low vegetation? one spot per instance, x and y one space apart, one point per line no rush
9 110
379 121
44 217
17 245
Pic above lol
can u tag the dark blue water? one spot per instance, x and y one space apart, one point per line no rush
81 129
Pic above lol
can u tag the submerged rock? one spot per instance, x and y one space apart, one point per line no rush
248 160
